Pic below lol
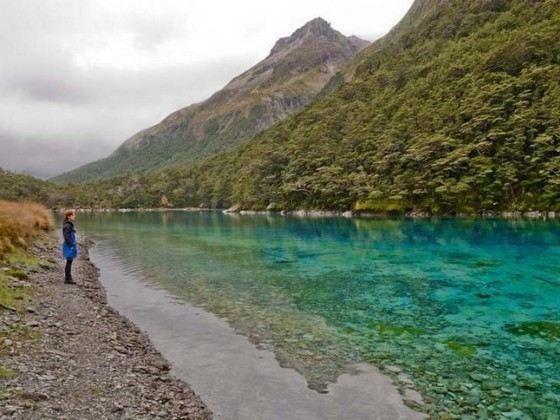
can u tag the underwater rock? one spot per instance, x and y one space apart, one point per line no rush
395 330
478 377
490 385
529 385
485 263
461 349
413 405
457 388
440 347
473 399
547 330
393 369
496 393
514 414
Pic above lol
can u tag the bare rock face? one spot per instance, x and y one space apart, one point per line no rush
165 201
316 30
295 71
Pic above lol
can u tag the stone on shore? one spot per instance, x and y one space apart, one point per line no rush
78 358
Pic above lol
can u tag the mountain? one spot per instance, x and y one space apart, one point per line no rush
456 110
288 79
407 25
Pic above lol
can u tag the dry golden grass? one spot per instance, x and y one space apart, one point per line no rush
20 223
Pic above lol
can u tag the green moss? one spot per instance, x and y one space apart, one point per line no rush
17 273
6 373
485 263
11 267
395 330
20 331
15 297
382 206
461 349
21 258
541 329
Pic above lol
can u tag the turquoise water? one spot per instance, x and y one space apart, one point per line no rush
468 309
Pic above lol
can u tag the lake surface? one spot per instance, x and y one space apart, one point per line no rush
469 309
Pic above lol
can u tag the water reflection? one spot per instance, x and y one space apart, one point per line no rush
467 307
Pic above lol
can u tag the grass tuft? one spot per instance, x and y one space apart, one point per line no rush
20 223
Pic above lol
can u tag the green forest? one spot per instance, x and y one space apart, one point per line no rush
457 110
16 187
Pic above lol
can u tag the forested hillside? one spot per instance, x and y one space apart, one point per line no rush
457 110
15 186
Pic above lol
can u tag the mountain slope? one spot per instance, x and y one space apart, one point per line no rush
296 69
456 111
407 25
15 187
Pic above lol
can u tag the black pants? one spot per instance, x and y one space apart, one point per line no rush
68 269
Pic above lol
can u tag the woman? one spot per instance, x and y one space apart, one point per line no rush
70 244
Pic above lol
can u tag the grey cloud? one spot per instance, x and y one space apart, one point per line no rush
97 110
50 89
56 115
21 154
150 32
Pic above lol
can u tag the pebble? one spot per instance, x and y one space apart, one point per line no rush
11 409
79 365
393 369
117 407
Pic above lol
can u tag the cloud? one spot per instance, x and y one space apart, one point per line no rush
59 121
19 154
79 78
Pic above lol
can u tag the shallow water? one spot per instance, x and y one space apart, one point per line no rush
467 308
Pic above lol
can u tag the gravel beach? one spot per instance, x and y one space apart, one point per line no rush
78 358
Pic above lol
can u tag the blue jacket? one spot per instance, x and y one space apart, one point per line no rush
70 244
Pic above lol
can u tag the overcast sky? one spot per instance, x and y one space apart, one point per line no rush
78 77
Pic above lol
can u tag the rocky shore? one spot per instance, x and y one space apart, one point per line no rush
333 213
412 214
76 358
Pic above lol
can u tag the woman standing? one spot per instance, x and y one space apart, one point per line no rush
70 244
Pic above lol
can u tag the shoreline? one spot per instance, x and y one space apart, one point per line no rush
349 214
79 358
87 358
239 379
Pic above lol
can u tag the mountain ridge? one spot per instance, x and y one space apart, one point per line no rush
456 112
289 78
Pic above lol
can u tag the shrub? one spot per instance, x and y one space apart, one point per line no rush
20 223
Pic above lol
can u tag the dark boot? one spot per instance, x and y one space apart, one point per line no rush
68 272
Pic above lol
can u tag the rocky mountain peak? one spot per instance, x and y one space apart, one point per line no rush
317 27
314 29
314 45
